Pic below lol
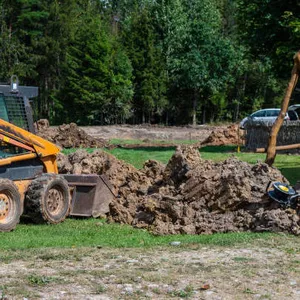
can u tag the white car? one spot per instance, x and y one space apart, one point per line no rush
268 115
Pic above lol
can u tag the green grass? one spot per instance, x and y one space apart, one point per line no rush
72 150
137 157
91 232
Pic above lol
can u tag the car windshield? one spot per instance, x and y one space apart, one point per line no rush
258 114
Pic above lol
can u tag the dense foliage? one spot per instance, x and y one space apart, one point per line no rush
163 61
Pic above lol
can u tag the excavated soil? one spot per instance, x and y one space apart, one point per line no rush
224 136
188 195
151 133
72 136
68 136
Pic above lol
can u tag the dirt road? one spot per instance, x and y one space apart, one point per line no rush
147 132
185 271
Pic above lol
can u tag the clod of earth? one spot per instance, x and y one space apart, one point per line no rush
189 194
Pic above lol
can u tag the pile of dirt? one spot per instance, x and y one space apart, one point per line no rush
189 194
224 136
68 136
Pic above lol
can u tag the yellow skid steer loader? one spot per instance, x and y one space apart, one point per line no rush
30 183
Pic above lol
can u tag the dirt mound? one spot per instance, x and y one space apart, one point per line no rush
42 124
189 194
224 136
68 136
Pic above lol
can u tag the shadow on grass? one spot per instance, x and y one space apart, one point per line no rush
292 174
218 149
150 149
26 220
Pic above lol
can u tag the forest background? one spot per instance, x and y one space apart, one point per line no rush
169 62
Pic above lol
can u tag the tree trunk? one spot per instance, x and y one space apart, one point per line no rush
203 114
195 109
46 98
240 97
271 150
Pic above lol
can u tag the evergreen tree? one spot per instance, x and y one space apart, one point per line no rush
97 76
42 30
12 50
148 65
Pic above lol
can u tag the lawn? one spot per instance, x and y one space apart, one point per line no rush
96 233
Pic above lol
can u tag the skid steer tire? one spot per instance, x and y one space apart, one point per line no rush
10 205
48 199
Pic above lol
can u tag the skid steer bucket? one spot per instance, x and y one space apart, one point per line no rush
91 195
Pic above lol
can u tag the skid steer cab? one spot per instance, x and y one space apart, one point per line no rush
29 179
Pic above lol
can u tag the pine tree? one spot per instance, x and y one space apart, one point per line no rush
97 76
148 65
12 50
41 31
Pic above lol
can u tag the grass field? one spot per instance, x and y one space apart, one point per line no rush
95 233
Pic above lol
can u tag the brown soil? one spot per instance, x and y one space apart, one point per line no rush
224 136
189 194
68 136
151 133
71 136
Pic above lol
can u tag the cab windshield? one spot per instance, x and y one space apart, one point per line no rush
3 111
7 150
12 110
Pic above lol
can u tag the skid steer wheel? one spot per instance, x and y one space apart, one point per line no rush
48 199
10 205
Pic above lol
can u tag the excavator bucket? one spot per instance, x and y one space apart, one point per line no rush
91 195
